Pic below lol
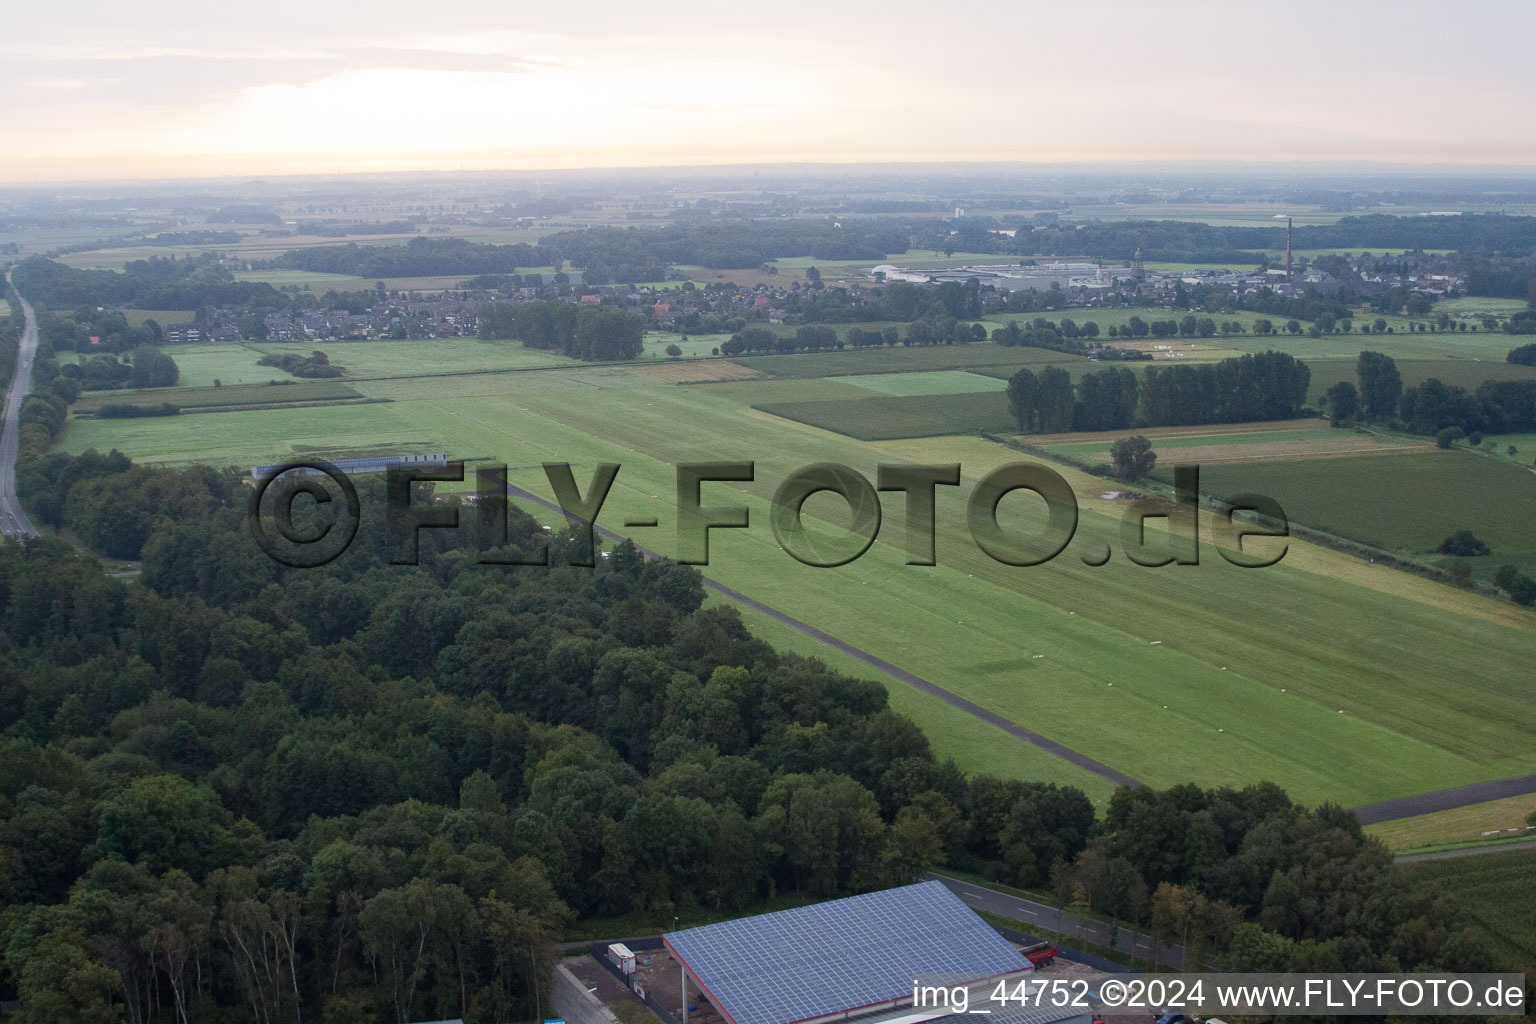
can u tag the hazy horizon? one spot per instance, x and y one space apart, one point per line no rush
102 92
1129 166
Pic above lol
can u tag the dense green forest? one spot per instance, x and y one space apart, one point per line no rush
584 331
155 283
419 257
618 254
372 792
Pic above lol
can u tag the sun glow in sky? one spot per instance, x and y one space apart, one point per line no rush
168 89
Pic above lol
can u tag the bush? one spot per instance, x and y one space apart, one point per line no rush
1463 543
1447 437
1520 587
1133 458
128 411
315 365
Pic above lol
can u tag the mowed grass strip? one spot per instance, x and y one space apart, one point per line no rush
1202 447
1485 822
235 396
935 382
418 357
887 418
901 360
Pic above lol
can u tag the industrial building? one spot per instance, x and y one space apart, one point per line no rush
375 464
1012 277
854 959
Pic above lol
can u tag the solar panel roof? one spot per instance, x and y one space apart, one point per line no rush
793 965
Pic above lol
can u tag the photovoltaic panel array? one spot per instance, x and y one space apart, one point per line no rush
793 965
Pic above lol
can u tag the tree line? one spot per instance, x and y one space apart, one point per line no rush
580 330
726 245
1183 241
634 253
1247 880
1263 386
418 257
1431 407
155 283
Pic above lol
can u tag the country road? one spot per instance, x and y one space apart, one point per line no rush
13 518
1054 919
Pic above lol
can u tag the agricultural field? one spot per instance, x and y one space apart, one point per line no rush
698 371
1467 373
1497 890
1282 441
313 280
1405 503
693 345
1477 823
1260 675
888 417
846 362
936 382
251 247
211 399
426 356
1247 215
1481 304
239 363
317 281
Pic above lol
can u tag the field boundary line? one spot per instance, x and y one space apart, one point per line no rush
1066 753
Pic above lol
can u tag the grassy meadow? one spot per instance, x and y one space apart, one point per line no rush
1477 823
1324 673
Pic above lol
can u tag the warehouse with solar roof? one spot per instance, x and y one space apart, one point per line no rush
850 958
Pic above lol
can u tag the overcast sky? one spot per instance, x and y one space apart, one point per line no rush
96 89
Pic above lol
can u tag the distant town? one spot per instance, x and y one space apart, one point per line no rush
1021 286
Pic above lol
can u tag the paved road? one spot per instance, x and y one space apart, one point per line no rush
13 518
954 699
1445 799
1054 919
1526 845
